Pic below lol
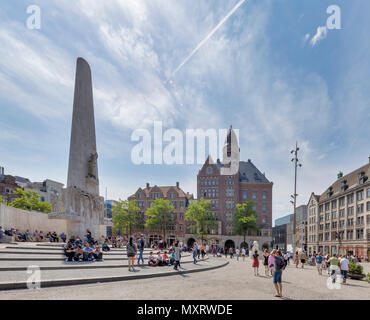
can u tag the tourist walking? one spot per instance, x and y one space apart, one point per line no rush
266 261
334 267
195 252
271 261
255 263
327 260
318 261
278 272
141 246
131 253
177 255
244 252
286 258
231 252
296 259
237 253
344 267
303 258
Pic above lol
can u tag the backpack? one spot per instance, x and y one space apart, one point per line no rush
281 264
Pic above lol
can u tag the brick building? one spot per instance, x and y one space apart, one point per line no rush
7 186
230 182
339 218
178 198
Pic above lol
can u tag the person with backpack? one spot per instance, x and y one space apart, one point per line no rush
141 246
131 253
279 266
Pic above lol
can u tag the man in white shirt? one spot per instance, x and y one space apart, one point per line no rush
244 252
237 253
344 267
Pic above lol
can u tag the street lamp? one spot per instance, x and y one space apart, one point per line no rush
294 202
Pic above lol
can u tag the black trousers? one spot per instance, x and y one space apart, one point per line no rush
70 255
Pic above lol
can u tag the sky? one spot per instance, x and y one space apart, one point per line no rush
273 70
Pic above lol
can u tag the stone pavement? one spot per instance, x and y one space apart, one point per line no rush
234 281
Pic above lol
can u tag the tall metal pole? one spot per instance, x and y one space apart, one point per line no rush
295 196
295 159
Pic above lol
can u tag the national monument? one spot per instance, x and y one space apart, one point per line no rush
83 207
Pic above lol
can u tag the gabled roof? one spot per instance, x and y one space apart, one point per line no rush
165 190
249 173
351 179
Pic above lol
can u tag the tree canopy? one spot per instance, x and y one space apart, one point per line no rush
200 214
29 200
245 218
160 216
126 216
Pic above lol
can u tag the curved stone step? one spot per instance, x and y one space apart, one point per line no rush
54 248
37 252
18 280
84 265
57 257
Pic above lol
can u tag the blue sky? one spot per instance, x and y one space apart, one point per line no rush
258 72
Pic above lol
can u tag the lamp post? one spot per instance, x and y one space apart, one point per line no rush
294 202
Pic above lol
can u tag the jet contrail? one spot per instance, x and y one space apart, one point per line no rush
208 36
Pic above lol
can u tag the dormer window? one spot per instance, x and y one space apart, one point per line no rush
330 192
209 170
344 186
362 178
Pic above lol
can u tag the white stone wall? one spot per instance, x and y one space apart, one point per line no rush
23 220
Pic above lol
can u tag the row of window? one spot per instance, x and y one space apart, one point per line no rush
254 195
349 235
181 203
360 195
209 182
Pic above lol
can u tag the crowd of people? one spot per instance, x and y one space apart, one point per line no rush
169 257
36 236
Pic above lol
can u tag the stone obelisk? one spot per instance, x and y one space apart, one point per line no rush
83 140
83 206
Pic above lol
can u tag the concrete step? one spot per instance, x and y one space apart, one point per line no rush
57 252
55 257
18 279
61 262
54 248
82 265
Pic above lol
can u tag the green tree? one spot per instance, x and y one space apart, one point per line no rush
199 212
160 216
245 218
126 216
29 200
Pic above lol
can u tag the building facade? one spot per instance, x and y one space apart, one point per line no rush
339 218
177 197
301 227
7 186
228 183
279 237
49 191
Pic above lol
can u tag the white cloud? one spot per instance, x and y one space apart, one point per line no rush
321 34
